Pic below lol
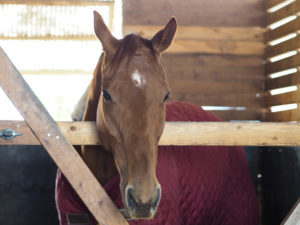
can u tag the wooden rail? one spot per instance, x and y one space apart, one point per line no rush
62 152
178 133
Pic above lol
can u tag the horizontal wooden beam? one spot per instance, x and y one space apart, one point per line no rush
200 60
211 72
48 37
213 87
202 33
282 99
178 133
284 64
284 12
56 72
217 47
253 100
284 81
58 2
290 27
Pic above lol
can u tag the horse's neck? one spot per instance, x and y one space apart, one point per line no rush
100 161
94 93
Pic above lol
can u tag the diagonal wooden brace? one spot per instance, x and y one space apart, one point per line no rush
61 151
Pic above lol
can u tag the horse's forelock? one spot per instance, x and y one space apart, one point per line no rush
127 48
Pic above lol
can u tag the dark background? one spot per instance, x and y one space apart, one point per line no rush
27 183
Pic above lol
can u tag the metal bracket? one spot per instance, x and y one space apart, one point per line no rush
9 134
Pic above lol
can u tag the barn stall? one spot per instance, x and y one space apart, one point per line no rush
231 57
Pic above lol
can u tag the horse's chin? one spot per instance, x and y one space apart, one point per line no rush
132 215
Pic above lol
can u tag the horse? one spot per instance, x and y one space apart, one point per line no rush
128 99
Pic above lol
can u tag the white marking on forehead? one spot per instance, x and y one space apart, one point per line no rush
138 79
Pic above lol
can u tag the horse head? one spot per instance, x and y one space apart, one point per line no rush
131 112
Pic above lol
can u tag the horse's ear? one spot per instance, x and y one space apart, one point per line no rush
163 38
108 41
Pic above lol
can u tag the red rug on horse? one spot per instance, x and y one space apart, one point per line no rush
200 185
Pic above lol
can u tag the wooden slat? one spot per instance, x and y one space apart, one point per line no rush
282 99
284 12
284 81
214 87
185 133
217 47
58 2
76 133
234 100
57 72
195 13
65 156
271 3
47 37
284 64
293 217
289 45
202 33
210 60
208 72
228 115
284 116
291 27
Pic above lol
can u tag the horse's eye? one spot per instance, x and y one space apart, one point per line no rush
166 97
106 96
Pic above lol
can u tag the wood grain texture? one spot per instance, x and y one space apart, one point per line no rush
217 47
188 133
287 63
284 81
194 12
286 98
284 116
284 12
214 87
234 100
198 60
61 151
202 33
291 27
208 72
240 115
289 45
57 2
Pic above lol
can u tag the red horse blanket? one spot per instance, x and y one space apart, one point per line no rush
200 185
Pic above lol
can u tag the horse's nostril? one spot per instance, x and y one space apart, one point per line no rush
155 203
130 199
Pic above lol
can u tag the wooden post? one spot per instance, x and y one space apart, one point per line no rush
61 151
293 217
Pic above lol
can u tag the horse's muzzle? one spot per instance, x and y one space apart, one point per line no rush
138 210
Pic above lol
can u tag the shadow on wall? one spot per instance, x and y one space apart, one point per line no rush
27 184
280 182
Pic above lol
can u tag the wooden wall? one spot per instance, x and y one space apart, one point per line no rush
293 62
217 56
